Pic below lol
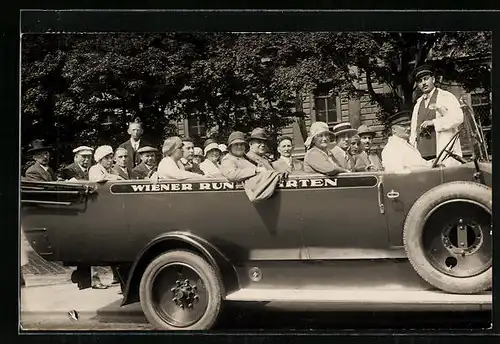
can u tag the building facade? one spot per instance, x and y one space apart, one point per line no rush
335 108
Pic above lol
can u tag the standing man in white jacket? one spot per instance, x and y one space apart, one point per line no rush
436 118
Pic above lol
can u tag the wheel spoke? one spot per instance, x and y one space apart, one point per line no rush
461 235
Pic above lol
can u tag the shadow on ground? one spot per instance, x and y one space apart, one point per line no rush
258 316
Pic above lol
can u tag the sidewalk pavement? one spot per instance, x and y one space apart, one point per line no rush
53 304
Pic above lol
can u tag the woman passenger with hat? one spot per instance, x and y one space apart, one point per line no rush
319 159
40 170
170 166
210 166
367 157
235 166
102 170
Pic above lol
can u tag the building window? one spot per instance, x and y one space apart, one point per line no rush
195 128
325 106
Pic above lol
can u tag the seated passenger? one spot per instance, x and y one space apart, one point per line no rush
198 155
368 154
224 151
286 163
187 159
355 164
210 166
148 163
258 142
170 166
318 157
102 170
235 166
342 133
398 153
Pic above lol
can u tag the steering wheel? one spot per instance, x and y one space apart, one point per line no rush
446 152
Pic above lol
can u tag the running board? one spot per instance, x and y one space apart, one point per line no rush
368 299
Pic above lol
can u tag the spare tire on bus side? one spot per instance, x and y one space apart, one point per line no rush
448 237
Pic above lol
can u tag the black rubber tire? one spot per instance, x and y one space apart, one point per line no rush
414 226
204 270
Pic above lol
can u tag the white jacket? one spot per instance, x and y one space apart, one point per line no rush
446 124
398 155
210 169
169 169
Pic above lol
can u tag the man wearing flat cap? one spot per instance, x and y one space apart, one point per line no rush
343 132
258 142
436 117
79 169
398 154
40 170
235 166
148 163
135 130
286 163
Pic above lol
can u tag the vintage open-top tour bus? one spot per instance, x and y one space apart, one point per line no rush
419 239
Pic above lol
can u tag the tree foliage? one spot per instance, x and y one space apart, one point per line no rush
85 88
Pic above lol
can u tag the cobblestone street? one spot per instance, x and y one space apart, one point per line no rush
39 268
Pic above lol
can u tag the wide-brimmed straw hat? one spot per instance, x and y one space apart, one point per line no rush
236 137
343 128
316 129
102 151
39 145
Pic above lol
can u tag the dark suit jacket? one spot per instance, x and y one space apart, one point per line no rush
141 171
119 172
133 158
37 173
73 171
